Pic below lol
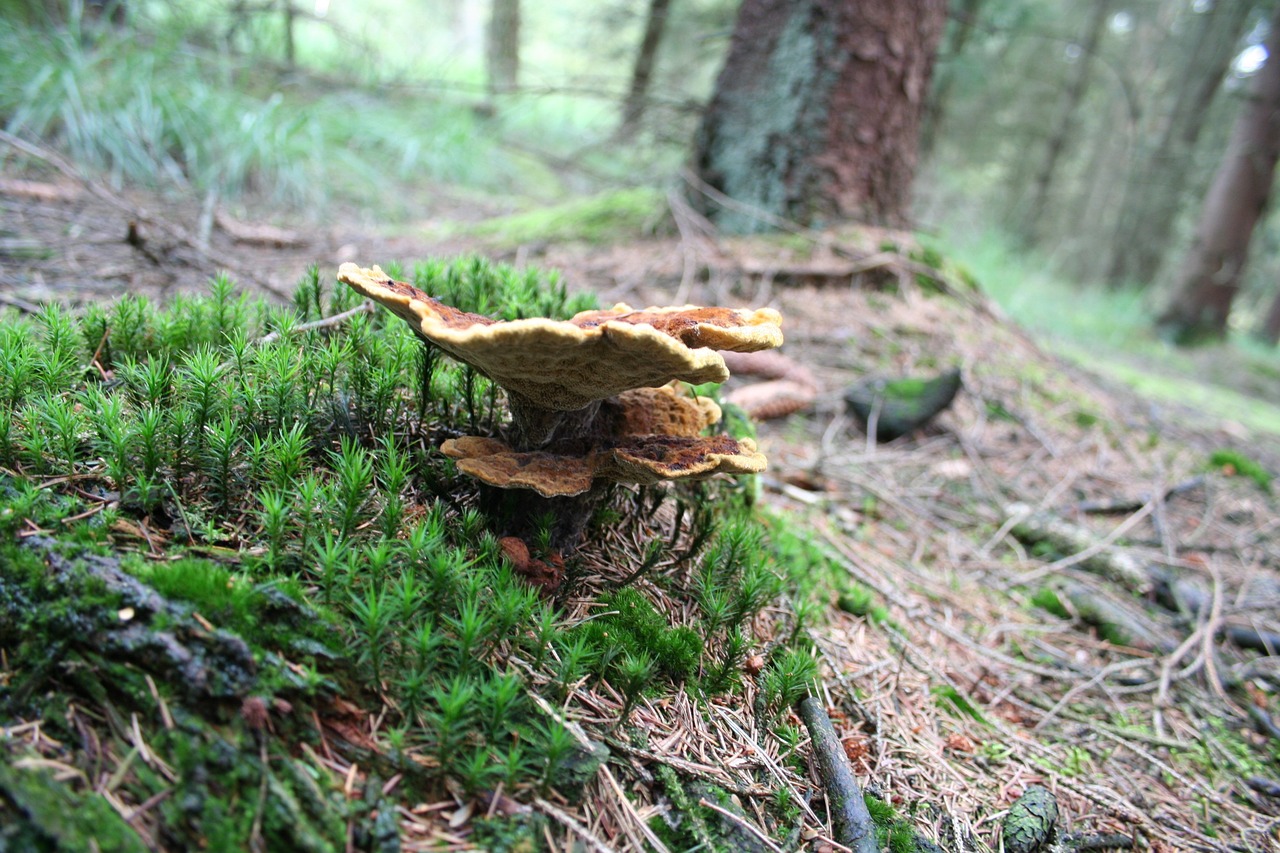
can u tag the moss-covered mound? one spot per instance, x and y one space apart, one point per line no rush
245 603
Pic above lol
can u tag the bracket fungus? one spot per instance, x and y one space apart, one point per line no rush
590 397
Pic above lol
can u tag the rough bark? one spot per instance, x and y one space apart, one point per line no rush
816 114
1068 119
1155 188
1210 274
502 50
642 72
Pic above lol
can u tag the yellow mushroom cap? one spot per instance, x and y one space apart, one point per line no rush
565 365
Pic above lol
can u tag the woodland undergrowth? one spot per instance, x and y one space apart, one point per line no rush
246 604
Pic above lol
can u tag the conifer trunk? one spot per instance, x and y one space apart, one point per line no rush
1210 275
1157 182
646 58
1068 119
503 46
816 114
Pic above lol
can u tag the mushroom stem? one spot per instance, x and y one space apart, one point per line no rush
534 427
526 514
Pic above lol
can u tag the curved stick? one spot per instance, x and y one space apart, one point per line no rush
853 826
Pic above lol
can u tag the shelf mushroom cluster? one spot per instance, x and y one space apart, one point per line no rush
595 397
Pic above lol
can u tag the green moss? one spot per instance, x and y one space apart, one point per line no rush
39 813
604 218
1236 463
692 825
1047 599
514 834
268 554
860 601
632 625
951 699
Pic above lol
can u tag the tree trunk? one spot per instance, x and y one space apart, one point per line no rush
654 24
290 51
816 114
1210 275
1269 332
1068 119
1156 183
935 111
503 46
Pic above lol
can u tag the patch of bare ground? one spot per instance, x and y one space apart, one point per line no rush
967 692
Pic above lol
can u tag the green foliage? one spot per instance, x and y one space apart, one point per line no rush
609 216
268 447
952 699
1047 599
37 813
789 678
632 641
161 110
893 832
860 601
1236 463
303 517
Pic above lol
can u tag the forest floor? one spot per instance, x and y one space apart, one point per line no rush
1142 721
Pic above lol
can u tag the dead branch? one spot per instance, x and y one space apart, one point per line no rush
853 826
1135 504
365 307
258 235
1035 527
136 214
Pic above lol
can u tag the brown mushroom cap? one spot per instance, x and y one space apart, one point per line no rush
643 460
654 437
566 365
549 474
664 411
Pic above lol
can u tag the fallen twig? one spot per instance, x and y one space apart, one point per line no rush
21 304
1033 527
1134 504
134 213
853 826
365 307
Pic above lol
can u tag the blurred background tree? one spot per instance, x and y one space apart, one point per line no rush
1210 275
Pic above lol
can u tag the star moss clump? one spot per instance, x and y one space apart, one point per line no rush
240 583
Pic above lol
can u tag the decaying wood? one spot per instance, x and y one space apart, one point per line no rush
36 190
853 826
259 235
1135 504
136 215
791 386
1032 528
1129 624
207 663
